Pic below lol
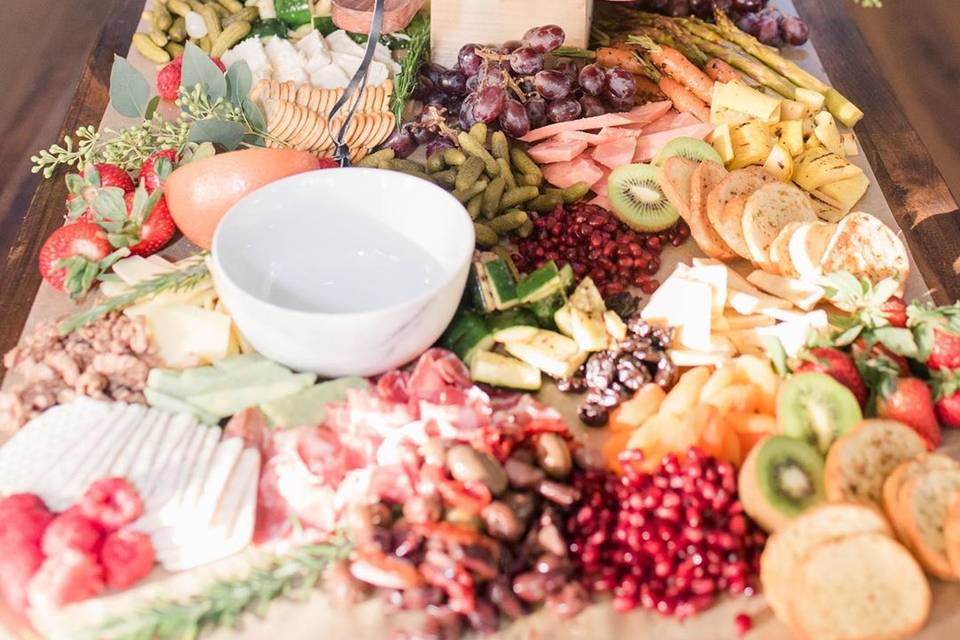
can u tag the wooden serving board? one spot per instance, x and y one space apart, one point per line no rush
906 192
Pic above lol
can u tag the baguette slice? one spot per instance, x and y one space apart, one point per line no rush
707 176
860 461
768 210
867 248
901 474
785 548
780 262
676 176
951 532
863 586
726 217
922 507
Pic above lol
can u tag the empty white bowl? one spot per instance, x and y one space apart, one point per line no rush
343 271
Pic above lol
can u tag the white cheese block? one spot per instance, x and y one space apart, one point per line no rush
349 63
329 77
172 474
686 305
377 74
318 61
311 44
188 336
341 42
252 52
177 438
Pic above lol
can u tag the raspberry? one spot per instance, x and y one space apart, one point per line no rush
328 163
112 503
72 530
19 561
127 557
168 79
23 518
69 576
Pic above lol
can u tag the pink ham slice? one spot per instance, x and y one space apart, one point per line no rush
645 114
556 150
355 15
583 124
649 145
600 186
592 139
671 120
619 132
601 201
615 153
567 174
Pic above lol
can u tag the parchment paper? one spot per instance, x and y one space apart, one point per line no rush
317 618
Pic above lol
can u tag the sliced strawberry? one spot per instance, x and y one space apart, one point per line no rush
74 255
910 402
839 366
140 222
156 168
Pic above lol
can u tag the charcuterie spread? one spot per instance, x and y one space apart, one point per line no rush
552 333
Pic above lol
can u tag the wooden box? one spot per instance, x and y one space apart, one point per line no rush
493 22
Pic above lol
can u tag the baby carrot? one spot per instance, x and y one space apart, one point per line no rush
720 71
613 57
675 64
684 99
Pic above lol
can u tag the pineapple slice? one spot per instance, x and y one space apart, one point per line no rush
751 144
720 116
825 130
587 325
811 98
720 139
739 97
817 167
780 163
790 134
850 147
793 110
844 194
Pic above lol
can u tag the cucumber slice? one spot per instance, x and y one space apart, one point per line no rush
540 284
566 277
545 309
518 316
463 323
493 287
503 371
475 337
295 13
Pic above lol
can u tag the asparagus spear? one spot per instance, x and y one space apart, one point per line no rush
844 110
749 65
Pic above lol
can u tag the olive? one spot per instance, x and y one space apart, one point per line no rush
553 455
522 475
466 464
501 521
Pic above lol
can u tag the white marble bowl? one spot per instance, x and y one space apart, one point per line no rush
343 271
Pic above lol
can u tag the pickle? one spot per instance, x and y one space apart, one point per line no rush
546 202
530 179
454 157
416 174
508 221
195 5
159 37
230 36
178 7
232 6
523 162
174 49
499 145
218 9
178 30
473 207
518 196
248 14
469 173
507 173
374 159
205 43
446 178
476 189
525 229
479 132
149 50
435 162
575 192
474 148
492 196
161 16
486 237
402 164
211 19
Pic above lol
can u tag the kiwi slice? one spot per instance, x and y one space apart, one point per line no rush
780 479
637 199
689 148
817 409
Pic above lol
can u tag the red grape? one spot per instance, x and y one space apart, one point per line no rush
723 5
526 61
489 103
749 6
620 104
702 8
553 84
469 60
593 79
401 142
592 106
567 67
563 109
748 23
423 135
536 109
430 74
794 31
544 39
453 83
440 144
767 29
514 120
472 83
511 45
467 118
621 83
679 8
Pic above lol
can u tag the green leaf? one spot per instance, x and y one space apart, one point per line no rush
900 341
777 354
239 81
199 69
847 337
75 183
198 152
884 289
151 108
109 204
129 90
226 134
254 115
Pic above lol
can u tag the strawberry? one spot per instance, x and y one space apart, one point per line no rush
946 394
863 351
126 557
138 221
168 79
23 518
894 309
72 530
908 400
74 255
839 366
112 503
937 330
84 187
19 562
69 576
156 168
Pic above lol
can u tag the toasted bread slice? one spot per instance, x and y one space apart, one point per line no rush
867 248
780 251
807 246
859 587
819 524
676 175
726 218
901 474
922 508
861 460
768 210
951 533
707 176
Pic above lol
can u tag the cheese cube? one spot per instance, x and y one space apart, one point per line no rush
686 305
329 77
341 42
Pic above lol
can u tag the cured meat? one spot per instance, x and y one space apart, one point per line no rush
647 113
649 145
589 138
566 174
556 150
601 201
608 133
355 15
600 186
583 124
615 153
671 120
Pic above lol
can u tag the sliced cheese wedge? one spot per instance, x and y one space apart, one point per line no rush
804 296
179 431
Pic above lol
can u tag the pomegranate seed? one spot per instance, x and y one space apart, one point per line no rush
742 623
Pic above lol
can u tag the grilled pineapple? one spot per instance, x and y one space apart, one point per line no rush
751 144
818 166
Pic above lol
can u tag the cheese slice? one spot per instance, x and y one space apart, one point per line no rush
153 421
168 505
178 435
138 472
803 295
207 495
686 305
172 474
193 489
716 277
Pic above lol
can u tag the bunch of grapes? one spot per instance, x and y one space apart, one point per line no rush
763 22
512 88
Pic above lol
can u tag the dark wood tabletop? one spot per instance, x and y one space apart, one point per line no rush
923 205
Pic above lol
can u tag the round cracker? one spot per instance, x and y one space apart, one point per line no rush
726 220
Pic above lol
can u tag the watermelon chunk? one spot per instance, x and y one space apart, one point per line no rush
647 113
672 120
555 150
583 124
649 145
567 174
615 153
600 186
601 201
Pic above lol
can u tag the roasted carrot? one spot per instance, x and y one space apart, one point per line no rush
647 87
614 57
684 99
720 71
675 64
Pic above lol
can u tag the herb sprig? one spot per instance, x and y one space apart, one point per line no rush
418 50
227 600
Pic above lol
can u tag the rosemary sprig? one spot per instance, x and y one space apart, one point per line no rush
418 50
227 600
180 280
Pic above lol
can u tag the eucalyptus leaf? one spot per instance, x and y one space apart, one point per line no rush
129 90
151 108
254 115
109 204
226 134
239 81
198 152
198 68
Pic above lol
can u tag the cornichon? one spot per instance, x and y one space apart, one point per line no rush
161 16
454 157
476 189
469 144
403 164
486 237
518 196
250 14
174 49
211 19
230 36
525 229
446 178
231 5
499 145
508 221
530 179
575 192
546 202
178 7
524 163
507 173
178 30
473 207
435 162
492 196
149 49
374 159
469 173
479 132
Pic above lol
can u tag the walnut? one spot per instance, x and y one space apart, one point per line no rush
64 365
